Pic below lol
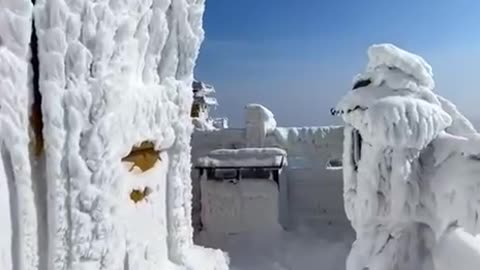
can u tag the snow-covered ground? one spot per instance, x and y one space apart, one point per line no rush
324 248
314 190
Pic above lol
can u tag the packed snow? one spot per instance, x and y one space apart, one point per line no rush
410 166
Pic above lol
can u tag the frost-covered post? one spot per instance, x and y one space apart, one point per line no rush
411 164
259 121
115 79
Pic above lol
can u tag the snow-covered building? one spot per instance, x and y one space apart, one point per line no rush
313 178
203 102
298 222
107 87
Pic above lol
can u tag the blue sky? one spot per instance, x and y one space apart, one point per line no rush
298 57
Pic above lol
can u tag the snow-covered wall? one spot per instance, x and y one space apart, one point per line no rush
112 74
314 192
314 187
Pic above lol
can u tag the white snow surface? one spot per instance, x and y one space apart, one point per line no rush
416 174
245 157
112 75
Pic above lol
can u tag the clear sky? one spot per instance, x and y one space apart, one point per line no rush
298 57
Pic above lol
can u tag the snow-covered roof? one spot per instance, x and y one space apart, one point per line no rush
245 157
201 88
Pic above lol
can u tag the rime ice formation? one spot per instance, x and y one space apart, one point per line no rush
411 166
18 230
112 74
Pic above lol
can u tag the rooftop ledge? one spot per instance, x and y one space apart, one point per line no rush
244 158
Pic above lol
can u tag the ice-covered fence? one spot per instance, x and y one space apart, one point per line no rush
314 175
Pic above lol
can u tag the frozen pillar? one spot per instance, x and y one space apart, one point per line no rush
259 121
19 247
115 75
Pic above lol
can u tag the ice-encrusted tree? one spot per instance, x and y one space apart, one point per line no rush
411 166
